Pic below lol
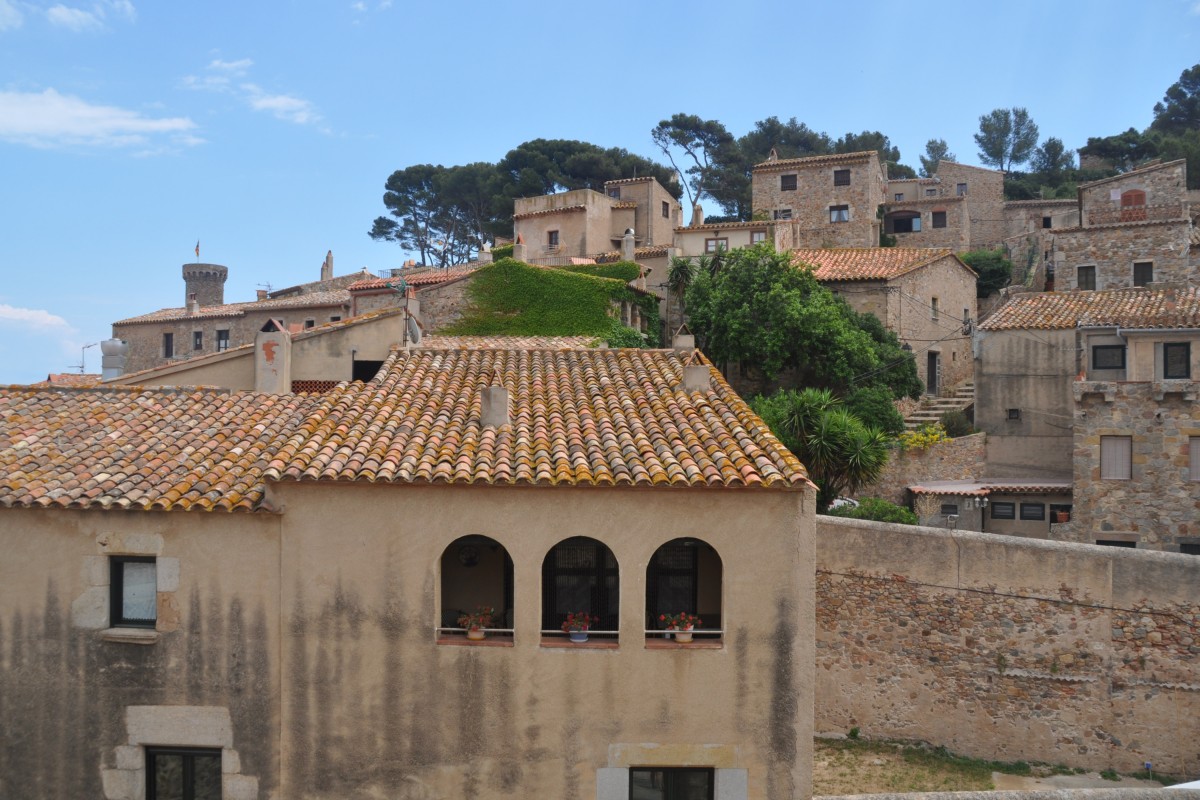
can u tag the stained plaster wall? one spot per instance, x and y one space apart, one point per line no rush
374 703
65 689
1008 649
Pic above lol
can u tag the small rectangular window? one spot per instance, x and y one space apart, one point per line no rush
1143 273
939 219
757 236
552 238
666 209
841 177
899 197
1116 458
1004 510
1085 278
335 319
949 508
1190 548
839 213
783 213
715 245
1194 458
787 183
168 345
671 783
310 323
931 192
178 773
961 189
1117 543
1033 511
1177 360
933 306
222 341
133 587
615 192
1047 222
1108 356
197 340
1013 414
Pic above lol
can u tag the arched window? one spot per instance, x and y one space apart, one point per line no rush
477 573
902 222
684 577
580 575
1133 205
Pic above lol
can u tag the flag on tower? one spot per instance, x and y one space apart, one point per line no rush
197 248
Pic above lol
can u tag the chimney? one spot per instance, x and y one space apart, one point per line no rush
493 411
485 254
327 267
112 361
205 282
519 248
697 215
696 376
193 305
628 245
684 341
273 359
262 294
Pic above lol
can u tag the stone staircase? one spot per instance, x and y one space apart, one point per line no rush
932 408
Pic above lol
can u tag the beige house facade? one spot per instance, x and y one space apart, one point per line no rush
265 589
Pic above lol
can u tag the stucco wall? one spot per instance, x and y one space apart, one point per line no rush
1008 649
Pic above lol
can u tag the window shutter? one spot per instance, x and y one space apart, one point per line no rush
1194 457
1116 457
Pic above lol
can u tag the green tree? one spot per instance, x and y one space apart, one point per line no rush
889 154
545 166
993 267
1006 137
1052 161
419 220
1124 151
706 143
1179 111
840 453
874 508
873 405
732 170
763 312
936 151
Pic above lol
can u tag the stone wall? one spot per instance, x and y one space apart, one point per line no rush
955 233
958 459
1008 649
1112 249
813 196
1159 507
984 199
1165 186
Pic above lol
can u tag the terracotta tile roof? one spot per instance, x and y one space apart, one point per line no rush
579 417
653 251
982 488
1008 203
725 226
440 342
1136 224
424 277
621 181
625 204
141 449
867 263
72 380
545 212
1142 307
815 161
336 297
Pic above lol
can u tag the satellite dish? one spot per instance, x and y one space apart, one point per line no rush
414 330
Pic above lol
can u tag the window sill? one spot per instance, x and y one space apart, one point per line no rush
492 640
590 644
695 644
130 635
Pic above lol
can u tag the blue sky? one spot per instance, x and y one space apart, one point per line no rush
128 130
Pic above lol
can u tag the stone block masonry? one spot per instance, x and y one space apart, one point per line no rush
963 458
1008 650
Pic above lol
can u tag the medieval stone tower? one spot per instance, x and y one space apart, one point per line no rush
205 283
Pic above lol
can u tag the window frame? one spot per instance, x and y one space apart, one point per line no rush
716 244
1121 471
839 214
668 782
1009 507
222 340
1037 512
1108 348
1090 271
666 209
841 177
761 236
552 238
933 308
960 189
1145 279
783 214
168 345
189 755
197 340
953 509
1187 361
937 219
116 589
899 197
783 182
931 192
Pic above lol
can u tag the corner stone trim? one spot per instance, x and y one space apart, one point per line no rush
175 726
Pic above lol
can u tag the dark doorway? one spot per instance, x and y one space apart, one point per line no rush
932 375
365 370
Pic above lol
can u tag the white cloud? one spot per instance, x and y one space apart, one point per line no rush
75 19
10 16
238 67
50 119
282 106
1196 8
34 317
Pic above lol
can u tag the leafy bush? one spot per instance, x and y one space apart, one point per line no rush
624 336
503 251
924 436
876 509
873 405
618 270
957 424
994 268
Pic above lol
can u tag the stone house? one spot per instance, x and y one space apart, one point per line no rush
821 201
583 223
1134 229
710 238
263 591
926 296
1099 387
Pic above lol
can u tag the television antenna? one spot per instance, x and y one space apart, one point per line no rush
82 365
